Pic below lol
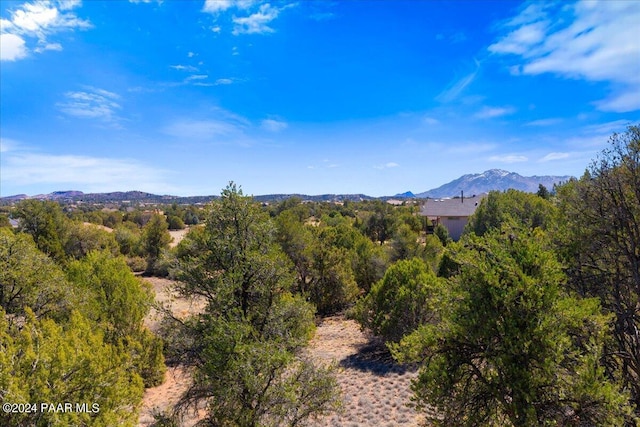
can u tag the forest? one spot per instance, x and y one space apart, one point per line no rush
532 318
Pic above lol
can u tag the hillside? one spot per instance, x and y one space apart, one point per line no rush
494 179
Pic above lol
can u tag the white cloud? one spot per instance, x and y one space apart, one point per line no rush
224 81
7 145
623 101
202 129
492 112
456 87
589 40
42 17
508 158
258 22
68 4
554 156
196 77
81 172
215 6
93 103
12 47
273 125
49 46
430 121
387 166
544 122
189 68
39 19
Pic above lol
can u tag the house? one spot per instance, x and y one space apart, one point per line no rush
452 213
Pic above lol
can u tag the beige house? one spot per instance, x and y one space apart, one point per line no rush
452 213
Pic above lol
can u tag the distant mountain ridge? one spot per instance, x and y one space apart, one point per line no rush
142 197
493 179
478 183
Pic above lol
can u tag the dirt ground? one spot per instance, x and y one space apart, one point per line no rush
375 391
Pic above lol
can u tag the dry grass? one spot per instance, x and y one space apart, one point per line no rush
375 390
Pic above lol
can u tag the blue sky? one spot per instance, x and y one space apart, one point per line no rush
374 97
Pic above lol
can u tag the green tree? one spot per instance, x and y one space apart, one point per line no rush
441 232
117 301
175 223
332 285
29 278
155 239
324 258
543 192
512 349
244 349
4 222
409 295
598 234
46 223
512 206
129 238
381 223
46 362
84 238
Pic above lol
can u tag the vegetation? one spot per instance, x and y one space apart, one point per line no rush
510 348
530 319
245 348
408 296
599 241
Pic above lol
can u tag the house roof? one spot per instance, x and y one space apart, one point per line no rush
461 207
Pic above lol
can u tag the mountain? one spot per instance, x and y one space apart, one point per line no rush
149 198
406 195
494 179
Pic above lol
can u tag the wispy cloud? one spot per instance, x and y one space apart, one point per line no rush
199 129
188 68
217 6
253 17
92 103
196 77
387 166
258 22
493 112
325 164
554 156
224 81
544 122
81 172
272 125
456 87
48 46
224 128
37 20
594 41
7 145
508 158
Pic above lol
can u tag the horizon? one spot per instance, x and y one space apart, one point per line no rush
397 194
375 98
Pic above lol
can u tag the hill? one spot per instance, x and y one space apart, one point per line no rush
493 179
